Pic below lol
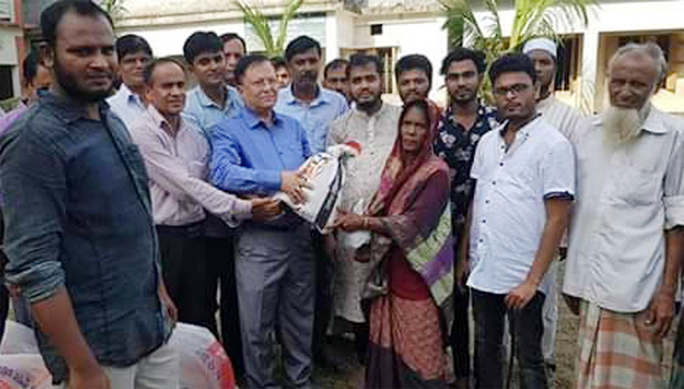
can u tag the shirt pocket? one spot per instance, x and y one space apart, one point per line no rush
636 187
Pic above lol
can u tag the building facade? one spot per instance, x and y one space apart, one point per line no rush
12 48
393 28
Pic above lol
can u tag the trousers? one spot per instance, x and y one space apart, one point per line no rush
276 277
526 329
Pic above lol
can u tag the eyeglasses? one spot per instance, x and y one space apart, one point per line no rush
514 89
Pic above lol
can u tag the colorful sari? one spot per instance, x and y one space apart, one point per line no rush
407 325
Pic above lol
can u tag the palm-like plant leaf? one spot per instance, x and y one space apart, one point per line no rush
288 14
262 28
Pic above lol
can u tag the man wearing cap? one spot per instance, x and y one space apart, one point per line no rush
543 52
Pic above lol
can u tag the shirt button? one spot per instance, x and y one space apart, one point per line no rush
486 201
493 182
484 221
501 164
480 240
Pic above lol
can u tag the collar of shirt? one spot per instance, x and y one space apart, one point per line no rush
521 136
321 97
253 120
130 97
70 110
232 96
654 123
483 113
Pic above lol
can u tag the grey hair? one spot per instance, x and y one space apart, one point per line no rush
648 49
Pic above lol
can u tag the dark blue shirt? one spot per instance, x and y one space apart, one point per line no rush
77 213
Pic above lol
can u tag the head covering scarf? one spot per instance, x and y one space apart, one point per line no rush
544 44
426 240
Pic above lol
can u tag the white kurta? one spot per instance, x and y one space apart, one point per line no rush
376 135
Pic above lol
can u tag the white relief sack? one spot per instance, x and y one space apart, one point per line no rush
325 172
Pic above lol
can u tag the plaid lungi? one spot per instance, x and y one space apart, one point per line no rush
616 350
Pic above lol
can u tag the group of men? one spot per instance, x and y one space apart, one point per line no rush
147 204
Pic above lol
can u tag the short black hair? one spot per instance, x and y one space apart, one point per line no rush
132 44
361 60
30 66
53 14
227 37
246 62
512 63
413 62
335 64
300 45
201 42
464 54
148 70
278 62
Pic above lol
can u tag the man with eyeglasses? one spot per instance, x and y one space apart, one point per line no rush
257 153
525 183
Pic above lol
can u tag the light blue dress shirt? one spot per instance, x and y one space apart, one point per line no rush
314 117
248 156
127 105
205 113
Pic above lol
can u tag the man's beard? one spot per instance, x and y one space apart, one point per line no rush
368 104
622 125
69 84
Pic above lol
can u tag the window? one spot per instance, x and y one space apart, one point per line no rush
569 59
6 83
5 10
376 29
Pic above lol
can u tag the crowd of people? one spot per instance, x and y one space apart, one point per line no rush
125 212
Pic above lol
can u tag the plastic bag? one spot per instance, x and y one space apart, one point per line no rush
326 173
21 366
204 363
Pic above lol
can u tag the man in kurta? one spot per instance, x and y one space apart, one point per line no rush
543 53
373 124
625 242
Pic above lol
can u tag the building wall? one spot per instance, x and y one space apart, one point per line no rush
420 34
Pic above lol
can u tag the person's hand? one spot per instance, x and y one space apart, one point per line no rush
573 303
520 296
350 222
90 377
293 184
167 303
660 314
462 266
462 272
265 208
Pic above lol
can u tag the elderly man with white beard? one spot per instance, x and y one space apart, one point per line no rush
626 240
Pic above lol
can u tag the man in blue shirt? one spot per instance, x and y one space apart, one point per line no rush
258 152
79 235
209 103
313 106
133 53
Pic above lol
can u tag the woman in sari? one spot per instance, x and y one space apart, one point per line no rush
410 224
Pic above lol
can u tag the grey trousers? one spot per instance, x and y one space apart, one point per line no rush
276 277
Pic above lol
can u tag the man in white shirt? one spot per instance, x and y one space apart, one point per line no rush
128 102
525 184
176 154
626 241
543 52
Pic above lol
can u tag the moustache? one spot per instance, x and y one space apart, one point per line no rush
309 75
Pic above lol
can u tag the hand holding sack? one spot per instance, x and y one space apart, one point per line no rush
325 172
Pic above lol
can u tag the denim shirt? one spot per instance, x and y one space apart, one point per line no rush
78 215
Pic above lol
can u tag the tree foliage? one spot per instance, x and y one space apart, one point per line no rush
273 45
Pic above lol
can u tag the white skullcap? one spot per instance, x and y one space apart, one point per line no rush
544 44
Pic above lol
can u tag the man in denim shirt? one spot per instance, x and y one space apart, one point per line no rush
85 254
